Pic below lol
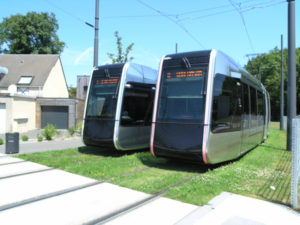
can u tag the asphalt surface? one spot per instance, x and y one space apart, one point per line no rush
32 146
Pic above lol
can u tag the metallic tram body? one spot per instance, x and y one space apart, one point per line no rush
207 108
119 106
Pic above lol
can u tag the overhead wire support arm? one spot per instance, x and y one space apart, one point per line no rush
90 25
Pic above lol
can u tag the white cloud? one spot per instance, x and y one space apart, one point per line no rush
84 57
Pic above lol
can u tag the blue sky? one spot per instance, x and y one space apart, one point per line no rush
237 27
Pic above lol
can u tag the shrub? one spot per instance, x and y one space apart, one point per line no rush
1 141
40 138
78 127
49 132
25 138
71 131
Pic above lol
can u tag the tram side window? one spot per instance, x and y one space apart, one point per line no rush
260 108
137 105
253 101
227 105
253 107
246 106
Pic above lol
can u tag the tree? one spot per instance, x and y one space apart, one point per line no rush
267 68
121 57
72 92
34 33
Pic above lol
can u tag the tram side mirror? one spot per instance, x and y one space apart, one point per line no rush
235 75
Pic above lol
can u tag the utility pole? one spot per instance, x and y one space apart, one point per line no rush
292 101
281 88
176 48
96 39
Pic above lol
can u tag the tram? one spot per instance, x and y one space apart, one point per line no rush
207 108
119 106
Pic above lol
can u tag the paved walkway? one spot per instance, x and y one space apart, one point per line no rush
31 193
34 194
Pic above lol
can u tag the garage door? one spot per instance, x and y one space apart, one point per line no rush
56 115
2 118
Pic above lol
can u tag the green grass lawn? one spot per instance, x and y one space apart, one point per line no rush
262 173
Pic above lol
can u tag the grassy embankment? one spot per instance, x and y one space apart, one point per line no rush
262 173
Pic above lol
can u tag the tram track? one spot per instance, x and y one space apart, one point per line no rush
10 163
26 173
60 192
104 218
136 205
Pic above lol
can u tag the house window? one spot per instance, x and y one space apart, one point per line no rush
23 90
85 88
25 80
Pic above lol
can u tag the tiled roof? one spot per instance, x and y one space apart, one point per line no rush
37 66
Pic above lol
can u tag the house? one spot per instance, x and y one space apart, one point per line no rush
34 93
82 86
34 75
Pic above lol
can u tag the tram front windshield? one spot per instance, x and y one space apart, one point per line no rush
182 95
102 97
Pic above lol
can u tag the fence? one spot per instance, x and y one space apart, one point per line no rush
295 163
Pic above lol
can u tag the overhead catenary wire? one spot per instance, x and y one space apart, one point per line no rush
68 13
243 9
213 8
244 24
178 15
263 7
174 21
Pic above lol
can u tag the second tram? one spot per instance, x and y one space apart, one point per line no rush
119 106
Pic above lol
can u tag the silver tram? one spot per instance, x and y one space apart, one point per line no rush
119 106
207 108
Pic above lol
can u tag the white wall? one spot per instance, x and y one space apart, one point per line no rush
20 113
23 114
56 86
2 118
7 116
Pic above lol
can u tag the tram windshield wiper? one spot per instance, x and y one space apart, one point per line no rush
186 62
107 74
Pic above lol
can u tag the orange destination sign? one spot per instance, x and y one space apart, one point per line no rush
107 81
180 74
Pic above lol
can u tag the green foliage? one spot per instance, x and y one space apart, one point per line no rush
25 138
71 131
33 33
40 138
49 132
267 67
77 129
121 57
72 92
1 141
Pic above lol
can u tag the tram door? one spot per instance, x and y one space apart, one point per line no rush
246 119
